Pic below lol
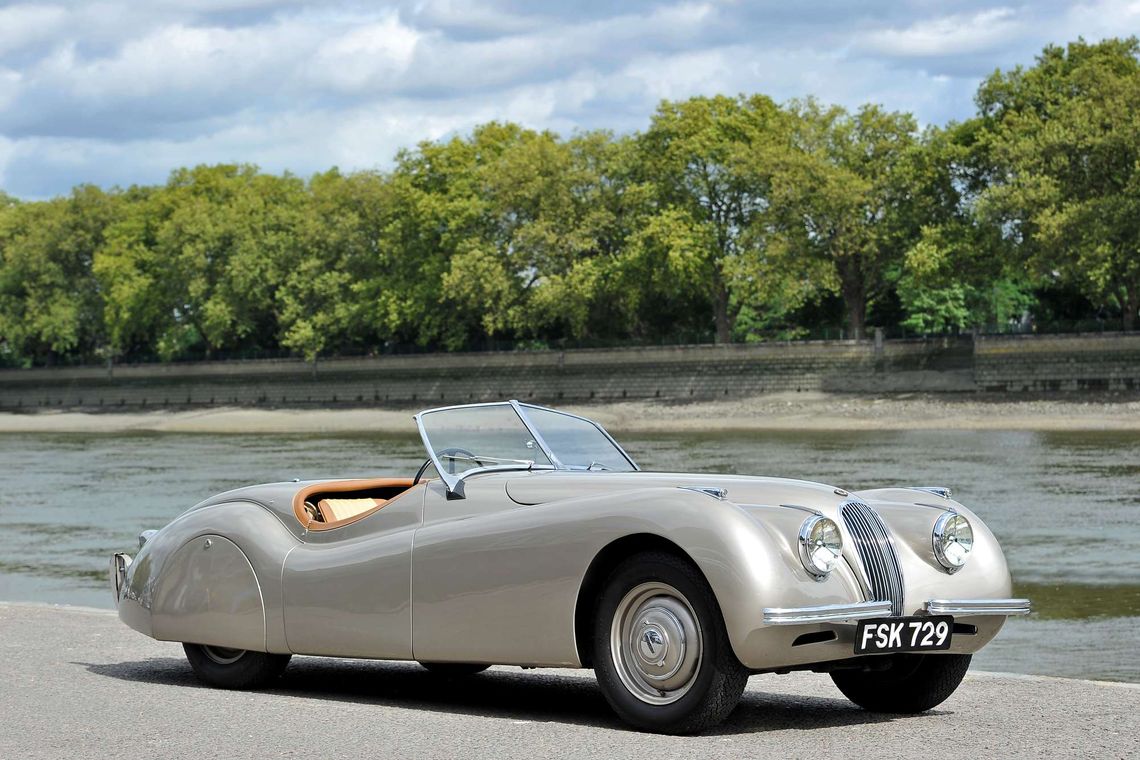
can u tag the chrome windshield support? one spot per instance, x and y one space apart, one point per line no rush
966 607
537 435
521 407
454 481
826 613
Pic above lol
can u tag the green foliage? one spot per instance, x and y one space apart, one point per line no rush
728 218
49 304
1063 141
708 161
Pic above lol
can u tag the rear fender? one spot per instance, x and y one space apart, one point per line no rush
228 594
209 594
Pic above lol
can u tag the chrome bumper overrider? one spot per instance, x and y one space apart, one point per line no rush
825 613
119 564
978 607
841 613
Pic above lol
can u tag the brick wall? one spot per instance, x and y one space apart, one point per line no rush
1007 364
1051 363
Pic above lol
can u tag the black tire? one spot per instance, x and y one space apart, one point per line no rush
713 682
911 683
234 668
454 669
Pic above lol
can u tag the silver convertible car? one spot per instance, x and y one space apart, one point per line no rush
539 542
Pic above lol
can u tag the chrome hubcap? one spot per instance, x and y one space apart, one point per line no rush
222 655
656 643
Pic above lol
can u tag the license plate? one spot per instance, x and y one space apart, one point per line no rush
904 634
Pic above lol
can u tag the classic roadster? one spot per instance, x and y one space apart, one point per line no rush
539 542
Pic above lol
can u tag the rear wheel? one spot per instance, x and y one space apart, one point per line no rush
234 668
455 669
911 683
661 654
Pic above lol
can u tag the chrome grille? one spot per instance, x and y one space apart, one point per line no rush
876 552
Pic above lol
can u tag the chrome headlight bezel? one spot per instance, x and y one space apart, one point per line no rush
947 541
810 540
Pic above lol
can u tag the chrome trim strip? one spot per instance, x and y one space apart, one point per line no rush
965 607
717 493
809 510
825 613
942 491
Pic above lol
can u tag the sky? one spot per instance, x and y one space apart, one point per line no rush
119 93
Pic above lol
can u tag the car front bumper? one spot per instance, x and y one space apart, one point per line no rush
843 613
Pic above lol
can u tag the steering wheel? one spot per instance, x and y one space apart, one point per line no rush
451 462
448 452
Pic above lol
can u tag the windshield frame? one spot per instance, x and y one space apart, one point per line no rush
454 481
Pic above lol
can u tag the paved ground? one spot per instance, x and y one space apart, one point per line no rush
75 683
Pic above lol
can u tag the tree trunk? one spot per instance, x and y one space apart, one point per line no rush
720 310
854 294
1131 306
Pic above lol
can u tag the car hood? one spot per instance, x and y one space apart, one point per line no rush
542 487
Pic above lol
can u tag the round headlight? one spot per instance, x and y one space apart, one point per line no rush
953 540
821 546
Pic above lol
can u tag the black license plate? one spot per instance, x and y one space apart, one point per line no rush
904 634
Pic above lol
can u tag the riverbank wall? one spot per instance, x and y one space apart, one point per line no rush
1015 365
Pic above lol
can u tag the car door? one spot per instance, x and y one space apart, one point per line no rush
347 589
493 581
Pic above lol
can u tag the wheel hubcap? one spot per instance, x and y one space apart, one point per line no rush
656 643
223 655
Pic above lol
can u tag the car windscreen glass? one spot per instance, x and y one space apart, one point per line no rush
577 443
467 438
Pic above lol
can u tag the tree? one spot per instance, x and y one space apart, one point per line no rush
1063 137
843 198
199 260
706 159
50 304
958 271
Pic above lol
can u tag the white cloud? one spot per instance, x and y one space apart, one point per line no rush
947 35
367 55
119 92
25 25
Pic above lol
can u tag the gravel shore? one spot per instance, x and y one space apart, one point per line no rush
784 411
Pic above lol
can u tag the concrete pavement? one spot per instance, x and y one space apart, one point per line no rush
75 683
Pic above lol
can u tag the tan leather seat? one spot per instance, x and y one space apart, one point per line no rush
335 510
317 507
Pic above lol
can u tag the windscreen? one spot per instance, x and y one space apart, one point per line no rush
465 438
577 443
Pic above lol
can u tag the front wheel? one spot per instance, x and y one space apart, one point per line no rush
662 656
234 668
910 683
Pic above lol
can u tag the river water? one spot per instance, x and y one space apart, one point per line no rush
1066 507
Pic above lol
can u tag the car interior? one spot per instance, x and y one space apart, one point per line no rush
333 504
